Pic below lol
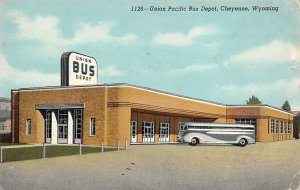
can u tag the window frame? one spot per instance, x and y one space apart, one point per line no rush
28 127
151 126
285 126
93 127
78 122
162 127
276 127
133 124
272 126
48 124
290 127
251 121
280 127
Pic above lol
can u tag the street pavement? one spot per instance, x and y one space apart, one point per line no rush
261 166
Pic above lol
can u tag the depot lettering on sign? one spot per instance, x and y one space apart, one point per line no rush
78 69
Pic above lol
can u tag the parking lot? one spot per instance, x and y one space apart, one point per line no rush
261 166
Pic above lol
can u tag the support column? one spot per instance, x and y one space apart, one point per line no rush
70 128
53 127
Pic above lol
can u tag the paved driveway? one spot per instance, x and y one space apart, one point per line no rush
260 166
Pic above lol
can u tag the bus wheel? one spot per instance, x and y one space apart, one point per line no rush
194 141
243 142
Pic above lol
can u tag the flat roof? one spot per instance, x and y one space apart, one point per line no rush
259 105
148 89
119 85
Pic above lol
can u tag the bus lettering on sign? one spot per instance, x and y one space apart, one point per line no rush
78 69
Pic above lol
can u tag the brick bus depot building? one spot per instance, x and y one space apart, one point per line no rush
91 114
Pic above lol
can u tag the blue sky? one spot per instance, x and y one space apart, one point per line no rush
219 56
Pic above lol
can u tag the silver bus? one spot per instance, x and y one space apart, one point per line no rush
223 133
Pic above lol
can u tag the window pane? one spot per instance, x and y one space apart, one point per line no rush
93 127
28 127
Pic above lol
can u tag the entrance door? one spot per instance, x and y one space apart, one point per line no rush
62 126
148 132
48 125
133 131
77 125
164 132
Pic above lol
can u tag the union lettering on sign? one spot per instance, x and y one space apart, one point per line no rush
78 69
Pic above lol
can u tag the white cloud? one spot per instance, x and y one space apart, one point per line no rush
194 68
289 88
35 78
110 71
101 33
46 30
19 78
43 29
276 52
180 39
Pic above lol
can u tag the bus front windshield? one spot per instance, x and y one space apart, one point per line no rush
183 127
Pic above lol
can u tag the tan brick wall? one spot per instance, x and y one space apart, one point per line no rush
40 127
15 116
264 111
91 97
263 116
222 120
143 99
118 125
157 117
115 107
263 130
242 112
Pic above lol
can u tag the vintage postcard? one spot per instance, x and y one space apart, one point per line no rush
150 94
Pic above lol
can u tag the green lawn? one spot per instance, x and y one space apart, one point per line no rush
24 153
29 153
11 144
